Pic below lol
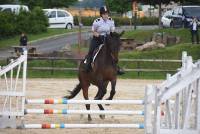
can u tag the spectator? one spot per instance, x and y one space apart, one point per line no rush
194 29
23 41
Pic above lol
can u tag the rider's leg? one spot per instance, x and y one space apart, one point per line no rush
93 45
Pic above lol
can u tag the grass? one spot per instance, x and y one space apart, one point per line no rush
146 35
5 43
171 52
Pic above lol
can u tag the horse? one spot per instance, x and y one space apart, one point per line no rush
104 71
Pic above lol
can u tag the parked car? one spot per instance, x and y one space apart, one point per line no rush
13 8
167 18
59 18
181 16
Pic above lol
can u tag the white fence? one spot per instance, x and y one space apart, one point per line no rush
12 91
181 116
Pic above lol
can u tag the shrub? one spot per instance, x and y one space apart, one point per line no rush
119 21
23 22
32 22
29 22
40 21
148 21
7 24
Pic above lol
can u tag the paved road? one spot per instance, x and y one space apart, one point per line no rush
56 43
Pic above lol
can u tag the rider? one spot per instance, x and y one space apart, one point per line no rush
101 27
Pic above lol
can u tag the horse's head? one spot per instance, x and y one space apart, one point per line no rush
113 42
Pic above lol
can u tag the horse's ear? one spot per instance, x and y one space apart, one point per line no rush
121 33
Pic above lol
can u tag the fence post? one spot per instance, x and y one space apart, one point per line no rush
156 125
138 67
149 95
52 64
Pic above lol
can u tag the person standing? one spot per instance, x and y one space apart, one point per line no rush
194 30
23 41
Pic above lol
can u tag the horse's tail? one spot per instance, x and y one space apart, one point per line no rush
74 92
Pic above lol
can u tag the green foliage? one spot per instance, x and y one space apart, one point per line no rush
172 52
87 21
29 22
23 22
7 24
6 1
39 21
47 3
148 21
119 6
143 35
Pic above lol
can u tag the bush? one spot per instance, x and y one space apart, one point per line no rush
23 22
29 22
7 24
87 21
38 21
148 21
32 22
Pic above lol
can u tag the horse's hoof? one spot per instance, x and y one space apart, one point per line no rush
65 97
96 98
102 117
108 104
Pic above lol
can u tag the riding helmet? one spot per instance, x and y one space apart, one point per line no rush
103 10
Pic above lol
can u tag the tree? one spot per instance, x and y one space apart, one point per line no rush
119 6
7 1
47 3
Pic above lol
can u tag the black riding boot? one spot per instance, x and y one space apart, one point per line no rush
88 64
120 71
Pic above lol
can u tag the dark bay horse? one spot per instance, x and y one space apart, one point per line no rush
103 72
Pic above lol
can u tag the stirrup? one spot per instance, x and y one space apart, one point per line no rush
120 72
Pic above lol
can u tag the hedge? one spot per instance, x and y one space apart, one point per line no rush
29 22
87 21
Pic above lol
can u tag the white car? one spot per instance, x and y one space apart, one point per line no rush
59 18
166 19
13 8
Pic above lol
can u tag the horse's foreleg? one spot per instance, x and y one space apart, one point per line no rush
112 92
102 116
105 84
101 90
85 95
